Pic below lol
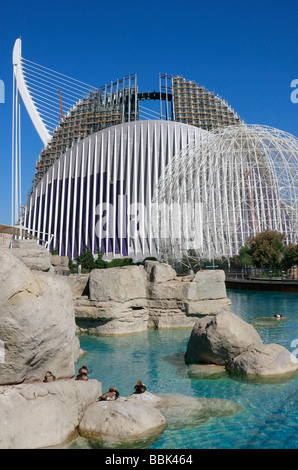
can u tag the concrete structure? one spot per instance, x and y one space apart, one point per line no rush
109 175
99 193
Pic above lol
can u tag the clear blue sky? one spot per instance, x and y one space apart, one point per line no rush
245 51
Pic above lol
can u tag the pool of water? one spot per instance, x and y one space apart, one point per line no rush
269 416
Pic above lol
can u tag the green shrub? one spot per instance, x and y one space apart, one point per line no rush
99 262
86 259
119 262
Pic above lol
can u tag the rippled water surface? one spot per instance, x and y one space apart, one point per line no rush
269 416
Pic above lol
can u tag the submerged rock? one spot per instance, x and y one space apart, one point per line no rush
206 371
183 411
268 322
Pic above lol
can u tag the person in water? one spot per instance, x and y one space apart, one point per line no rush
278 316
111 395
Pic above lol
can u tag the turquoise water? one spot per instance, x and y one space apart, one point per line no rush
269 418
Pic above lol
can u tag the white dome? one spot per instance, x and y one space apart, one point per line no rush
218 192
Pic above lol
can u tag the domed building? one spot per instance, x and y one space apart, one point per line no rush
236 182
137 182
96 176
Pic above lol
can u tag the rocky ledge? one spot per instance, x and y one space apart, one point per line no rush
136 298
51 414
37 323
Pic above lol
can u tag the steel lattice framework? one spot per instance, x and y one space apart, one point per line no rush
216 194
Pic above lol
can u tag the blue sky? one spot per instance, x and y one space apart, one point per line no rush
245 51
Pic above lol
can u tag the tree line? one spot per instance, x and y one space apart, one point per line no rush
265 250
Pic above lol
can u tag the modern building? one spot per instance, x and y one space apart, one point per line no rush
111 168
120 102
236 182
99 192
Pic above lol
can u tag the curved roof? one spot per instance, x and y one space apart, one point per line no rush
237 182
116 168
190 104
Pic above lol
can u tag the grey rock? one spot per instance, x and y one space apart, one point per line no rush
37 323
207 285
264 360
79 284
122 419
34 256
161 272
133 298
117 284
219 338
43 414
146 397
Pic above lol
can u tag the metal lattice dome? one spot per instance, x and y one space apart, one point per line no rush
216 194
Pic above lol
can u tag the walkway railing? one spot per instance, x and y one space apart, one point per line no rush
262 274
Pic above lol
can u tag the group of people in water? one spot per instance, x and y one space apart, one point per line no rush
110 395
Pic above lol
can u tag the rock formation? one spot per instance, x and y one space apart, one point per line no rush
216 339
60 265
121 419
34 256
37 332
43 414
37 324
265 360
226 339
134 298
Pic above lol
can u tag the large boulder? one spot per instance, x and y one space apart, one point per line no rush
79 284
121 420
43 414
60 264
146 397
162 272
207 285
219 338
37 323
111 318
117 284
34 256
264 360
